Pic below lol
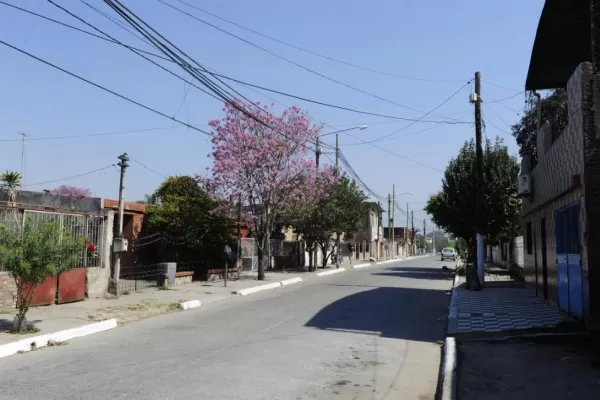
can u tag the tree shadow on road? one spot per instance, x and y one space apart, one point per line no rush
401 313
418 273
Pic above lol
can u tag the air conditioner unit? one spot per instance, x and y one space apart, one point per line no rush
524 187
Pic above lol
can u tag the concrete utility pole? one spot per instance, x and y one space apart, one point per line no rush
433 238
24 135
424 237
406 233
393 215
389 225
377 240
317 156
412 223
123 163
337 153
479 177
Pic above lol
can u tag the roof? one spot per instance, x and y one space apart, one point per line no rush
128 206
562 42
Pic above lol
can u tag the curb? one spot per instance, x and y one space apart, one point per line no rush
36 342
333 271
361 266
186 305
448 370
260 288
291 281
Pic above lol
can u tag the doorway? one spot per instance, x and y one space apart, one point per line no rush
568 261
544 259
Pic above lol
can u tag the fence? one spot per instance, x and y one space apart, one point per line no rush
90 227
249 256
499 254
137 277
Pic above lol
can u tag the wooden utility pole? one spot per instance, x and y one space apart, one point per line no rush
123 163
406 233
378 222
393 215
424 237
479 177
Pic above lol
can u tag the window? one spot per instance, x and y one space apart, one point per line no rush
529 239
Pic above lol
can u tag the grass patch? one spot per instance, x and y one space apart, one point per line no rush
30 329
136 311
55 343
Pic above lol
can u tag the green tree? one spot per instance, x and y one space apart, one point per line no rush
554 110
341 211
32 254
147 199
453 207
11 180
186 214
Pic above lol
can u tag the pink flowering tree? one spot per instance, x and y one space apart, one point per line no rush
267 165
71 191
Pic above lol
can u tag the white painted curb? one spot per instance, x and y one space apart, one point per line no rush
36 342
254 289
448 386
361 265
186 305
331 272
291 281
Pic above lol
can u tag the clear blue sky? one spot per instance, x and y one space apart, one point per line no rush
441 40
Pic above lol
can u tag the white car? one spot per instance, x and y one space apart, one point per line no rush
449 253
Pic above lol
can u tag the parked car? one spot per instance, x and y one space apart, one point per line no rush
449 253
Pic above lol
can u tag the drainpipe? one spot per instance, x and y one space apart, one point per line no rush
539 110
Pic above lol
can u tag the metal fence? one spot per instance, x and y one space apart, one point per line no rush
249 256
90 227
137 277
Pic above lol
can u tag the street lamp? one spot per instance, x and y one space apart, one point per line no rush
360 127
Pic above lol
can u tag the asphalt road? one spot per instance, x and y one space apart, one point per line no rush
363 334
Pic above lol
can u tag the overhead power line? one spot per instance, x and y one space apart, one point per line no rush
241 82
291 61
29 139
329 58
104 88
146 167
71 177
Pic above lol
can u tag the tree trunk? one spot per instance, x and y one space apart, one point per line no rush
325 257
261 259
310 258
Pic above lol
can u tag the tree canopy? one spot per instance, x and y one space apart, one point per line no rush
186 214
453 208
554 110
341 211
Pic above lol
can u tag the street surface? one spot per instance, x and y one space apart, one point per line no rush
362 334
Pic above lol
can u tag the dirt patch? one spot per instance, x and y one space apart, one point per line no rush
551 367
134 312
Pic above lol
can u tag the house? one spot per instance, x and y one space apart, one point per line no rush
369 239
561 189
84 217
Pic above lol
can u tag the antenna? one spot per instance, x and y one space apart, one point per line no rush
24 135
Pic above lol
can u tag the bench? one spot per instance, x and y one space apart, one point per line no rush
181 278
220 273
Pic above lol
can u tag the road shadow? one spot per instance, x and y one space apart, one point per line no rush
418 273
391 312
6 324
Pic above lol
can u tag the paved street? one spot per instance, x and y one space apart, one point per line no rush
363 334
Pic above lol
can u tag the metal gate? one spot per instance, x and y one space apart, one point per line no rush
249 256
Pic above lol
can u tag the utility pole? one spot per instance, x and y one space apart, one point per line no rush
317 156
393 215
433 238
123 163
24 135
479 177
378 222
239 234
412 223
424 237
389 225
337 153
406 233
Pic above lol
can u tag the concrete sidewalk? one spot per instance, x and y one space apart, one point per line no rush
504 305
138 305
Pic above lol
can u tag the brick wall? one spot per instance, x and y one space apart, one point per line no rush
8 291
592 196
553 186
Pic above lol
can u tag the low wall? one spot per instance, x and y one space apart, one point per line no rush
8 291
